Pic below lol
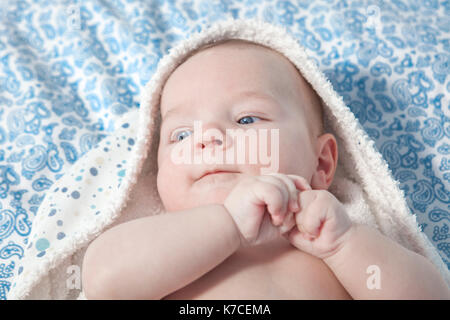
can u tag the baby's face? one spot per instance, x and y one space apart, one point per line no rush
229 88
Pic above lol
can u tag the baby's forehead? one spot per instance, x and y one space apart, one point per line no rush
273 69
250 49
255 54
253 65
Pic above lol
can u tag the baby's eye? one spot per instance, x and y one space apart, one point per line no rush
247 117
180 136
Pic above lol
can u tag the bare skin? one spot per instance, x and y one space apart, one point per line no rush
238 234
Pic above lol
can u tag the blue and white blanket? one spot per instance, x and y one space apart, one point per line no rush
70 70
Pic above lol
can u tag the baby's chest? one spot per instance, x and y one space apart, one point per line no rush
265 274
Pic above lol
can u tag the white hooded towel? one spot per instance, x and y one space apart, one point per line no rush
91 196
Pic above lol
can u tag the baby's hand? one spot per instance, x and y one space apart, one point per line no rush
322 224
260 204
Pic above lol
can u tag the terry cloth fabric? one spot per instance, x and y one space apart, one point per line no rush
93 194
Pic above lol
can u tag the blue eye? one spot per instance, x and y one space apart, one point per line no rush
179 134
247 117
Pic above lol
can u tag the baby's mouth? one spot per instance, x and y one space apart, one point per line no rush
217 173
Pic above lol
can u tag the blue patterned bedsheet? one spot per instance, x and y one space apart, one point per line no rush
69 69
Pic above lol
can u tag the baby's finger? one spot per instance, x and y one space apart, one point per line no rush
310 219
281 186
293 192
301 183
288 223
272 196
300 240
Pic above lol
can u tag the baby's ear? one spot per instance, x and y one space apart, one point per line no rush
327 154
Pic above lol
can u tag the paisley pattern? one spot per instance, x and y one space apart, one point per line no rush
70 69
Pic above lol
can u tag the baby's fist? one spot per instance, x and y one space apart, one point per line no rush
260 204
322 224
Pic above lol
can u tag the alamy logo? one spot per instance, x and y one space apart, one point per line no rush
373 18
374 280
231 149
73 17
74 280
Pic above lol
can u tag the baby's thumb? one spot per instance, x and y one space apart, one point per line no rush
288 224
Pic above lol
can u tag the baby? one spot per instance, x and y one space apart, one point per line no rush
233 232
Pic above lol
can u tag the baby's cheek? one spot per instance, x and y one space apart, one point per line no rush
168 189
296 158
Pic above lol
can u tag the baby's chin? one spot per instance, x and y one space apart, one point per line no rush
215 194
215 186
212 189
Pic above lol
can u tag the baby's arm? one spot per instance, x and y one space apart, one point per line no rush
151 257
403 274
325 231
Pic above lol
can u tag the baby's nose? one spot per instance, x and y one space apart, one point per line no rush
213 136
213 141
